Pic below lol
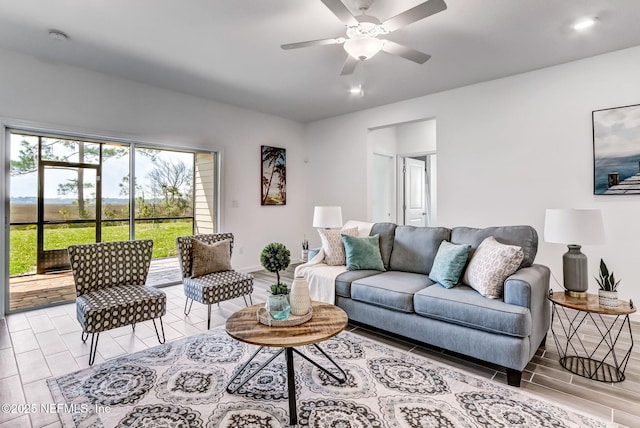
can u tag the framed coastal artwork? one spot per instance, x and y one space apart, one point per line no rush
274 175
616 151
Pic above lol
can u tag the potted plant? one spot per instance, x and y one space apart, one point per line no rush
608 292
275 257
305 250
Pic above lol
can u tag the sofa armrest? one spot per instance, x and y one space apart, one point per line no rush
528 286
313 251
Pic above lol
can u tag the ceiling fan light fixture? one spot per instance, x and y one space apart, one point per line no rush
363 48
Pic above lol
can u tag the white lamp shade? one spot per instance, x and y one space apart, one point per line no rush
574 226
363 48
327 217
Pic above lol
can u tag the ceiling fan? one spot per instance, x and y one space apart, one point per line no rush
362 41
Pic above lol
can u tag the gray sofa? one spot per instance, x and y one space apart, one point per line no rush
404 301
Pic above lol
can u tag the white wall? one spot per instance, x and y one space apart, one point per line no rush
507 149
381 142
71 99
416 137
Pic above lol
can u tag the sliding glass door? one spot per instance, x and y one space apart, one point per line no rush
66 191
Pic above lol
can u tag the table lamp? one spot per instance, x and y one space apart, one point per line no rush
574 227
327 217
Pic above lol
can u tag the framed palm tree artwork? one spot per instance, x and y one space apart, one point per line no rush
274 176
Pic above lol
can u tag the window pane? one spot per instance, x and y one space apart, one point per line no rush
164 234
57 237
23 179
115 231
164 183
22 250
115 182
69 193
57 149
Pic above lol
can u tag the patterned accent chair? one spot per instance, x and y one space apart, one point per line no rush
109 278
213 287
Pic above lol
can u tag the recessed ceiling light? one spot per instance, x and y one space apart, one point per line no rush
583 24
357 90
58 35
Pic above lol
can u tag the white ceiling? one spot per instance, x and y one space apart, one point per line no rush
230 50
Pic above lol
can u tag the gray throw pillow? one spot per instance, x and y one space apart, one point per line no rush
210 258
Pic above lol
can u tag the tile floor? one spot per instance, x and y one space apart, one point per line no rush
42 343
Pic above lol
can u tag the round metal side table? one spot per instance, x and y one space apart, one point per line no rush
604 356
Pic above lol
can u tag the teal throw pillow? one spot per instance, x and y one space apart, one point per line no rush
448 264
363 252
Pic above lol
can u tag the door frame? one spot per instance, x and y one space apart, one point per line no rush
429 187
59 258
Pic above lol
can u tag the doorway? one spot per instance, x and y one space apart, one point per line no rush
402 173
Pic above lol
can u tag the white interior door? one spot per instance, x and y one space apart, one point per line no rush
382 189
415 204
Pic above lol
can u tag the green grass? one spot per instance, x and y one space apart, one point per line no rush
22 248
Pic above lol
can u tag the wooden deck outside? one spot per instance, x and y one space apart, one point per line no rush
32 291
629 186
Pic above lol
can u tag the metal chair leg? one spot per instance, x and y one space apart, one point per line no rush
209 317
93 348
84 337
164 339
244 296
186 311
133 326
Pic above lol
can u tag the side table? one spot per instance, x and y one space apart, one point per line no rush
604 360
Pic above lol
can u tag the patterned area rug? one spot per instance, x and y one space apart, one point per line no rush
183 384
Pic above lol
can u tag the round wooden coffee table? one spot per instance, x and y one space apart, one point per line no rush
326 322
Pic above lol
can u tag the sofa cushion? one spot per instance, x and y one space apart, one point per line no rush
464 306
362 252
522 236
332 244
344 280
387 232
415 248
490 265
392 289
449 262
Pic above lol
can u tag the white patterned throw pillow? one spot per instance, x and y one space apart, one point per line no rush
333 246
490 265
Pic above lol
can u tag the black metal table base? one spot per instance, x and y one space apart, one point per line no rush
592 369
591 362
291 386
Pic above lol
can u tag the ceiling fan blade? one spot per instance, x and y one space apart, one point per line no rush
349 66
394 48
321 42
340 10
421 11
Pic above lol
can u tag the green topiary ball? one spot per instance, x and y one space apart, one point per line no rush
275 257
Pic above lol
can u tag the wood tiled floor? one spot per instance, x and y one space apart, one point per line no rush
38 344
